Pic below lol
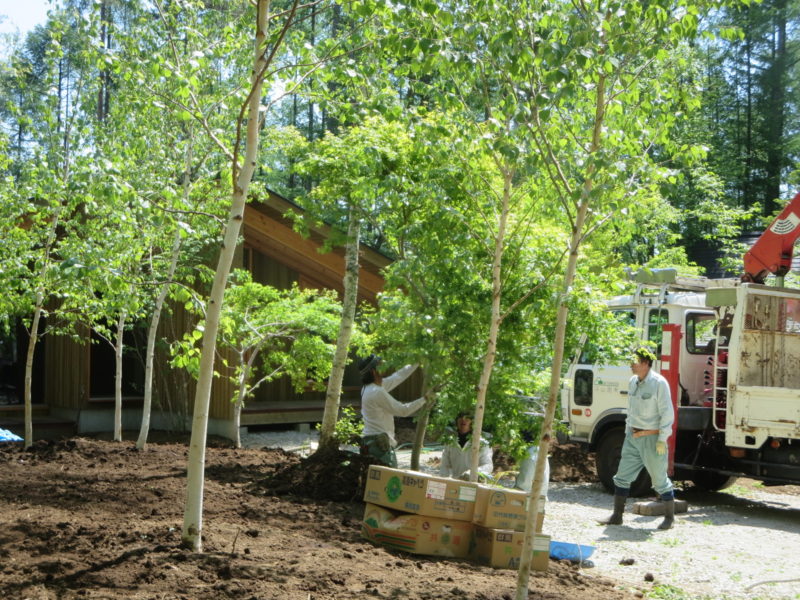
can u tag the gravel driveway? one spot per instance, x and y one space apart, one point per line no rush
740 543
728 544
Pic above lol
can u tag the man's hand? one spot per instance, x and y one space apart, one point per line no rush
661 447
465 475
434 390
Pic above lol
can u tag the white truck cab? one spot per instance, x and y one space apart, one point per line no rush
594 396
735 375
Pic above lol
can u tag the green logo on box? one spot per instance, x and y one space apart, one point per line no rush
393 488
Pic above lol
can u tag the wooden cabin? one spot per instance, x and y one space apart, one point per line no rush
73 389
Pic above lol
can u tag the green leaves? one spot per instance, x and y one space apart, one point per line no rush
270 333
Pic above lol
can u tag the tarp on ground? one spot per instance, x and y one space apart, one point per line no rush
8 436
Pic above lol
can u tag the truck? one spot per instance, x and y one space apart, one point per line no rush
730 351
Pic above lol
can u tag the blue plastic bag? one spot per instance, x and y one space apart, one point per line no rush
573 552
8 436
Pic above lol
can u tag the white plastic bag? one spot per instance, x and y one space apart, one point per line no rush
527 468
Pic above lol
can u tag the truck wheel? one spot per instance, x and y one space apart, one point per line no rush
710 481
608 453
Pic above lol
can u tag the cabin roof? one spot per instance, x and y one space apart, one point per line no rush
268 230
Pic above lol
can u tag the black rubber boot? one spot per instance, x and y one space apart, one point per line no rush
669 514
619 508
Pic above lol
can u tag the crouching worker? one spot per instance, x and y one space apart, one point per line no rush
457 456
378 409
647 429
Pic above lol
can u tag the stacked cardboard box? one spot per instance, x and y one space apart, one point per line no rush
424 514
499 518
502 508
427 514
421 494
417 534
502 548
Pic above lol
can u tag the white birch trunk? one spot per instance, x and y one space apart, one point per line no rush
334 391
237 421
523 575
32 341
422 421
246 367
192 531
147 405
118 348
494 330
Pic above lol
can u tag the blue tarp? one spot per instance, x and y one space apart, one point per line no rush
573 552
7 436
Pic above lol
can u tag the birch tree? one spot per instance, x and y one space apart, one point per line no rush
269 334
50 185
284 77
243 165
354 172
597 73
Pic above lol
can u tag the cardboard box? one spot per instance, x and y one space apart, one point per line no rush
502 508
502 548
418 534
419 493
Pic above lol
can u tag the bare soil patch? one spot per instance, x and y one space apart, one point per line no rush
89 518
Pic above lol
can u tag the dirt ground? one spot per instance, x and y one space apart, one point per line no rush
87 518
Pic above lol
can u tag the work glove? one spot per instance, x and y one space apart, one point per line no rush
661 447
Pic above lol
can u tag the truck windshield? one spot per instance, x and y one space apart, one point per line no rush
656 317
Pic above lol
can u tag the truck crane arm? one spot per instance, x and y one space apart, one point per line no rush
772 252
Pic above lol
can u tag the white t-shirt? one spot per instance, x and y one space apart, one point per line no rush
378 408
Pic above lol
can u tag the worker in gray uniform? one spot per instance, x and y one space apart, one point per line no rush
457 456
648 426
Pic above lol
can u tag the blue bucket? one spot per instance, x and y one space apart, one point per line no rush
572 552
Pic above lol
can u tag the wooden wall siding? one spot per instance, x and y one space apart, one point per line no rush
283 244
222 391
66 371
174 388
268 271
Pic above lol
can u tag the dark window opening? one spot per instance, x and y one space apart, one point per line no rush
13 353
103 364
583 387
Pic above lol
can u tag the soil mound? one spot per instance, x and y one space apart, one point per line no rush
334 475
92 518
572 464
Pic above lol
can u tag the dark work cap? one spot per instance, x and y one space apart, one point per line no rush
365 365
